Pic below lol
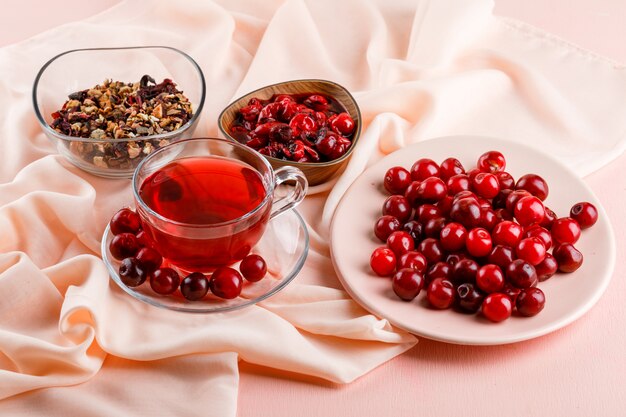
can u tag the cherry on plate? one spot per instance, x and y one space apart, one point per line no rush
194 286
253 268
124 246
497 307
125 221
383 262
492 161
534 184
164 281
585 214
226 283
530 302
424 168
440 293
407 283
397 179
131 273
567 257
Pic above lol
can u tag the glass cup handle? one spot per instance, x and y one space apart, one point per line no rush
295 195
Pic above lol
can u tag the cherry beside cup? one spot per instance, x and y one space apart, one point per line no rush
206 202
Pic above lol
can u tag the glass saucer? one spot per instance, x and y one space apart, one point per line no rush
284 246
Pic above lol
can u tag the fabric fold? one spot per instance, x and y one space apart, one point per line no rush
418 70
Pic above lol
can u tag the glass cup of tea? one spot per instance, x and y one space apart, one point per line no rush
206 202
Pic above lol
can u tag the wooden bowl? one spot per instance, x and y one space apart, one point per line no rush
315 172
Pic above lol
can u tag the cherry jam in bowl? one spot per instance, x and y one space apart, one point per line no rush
310 124
206 202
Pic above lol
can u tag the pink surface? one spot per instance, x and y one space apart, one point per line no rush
436 379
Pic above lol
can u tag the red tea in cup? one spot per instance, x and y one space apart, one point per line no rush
206 202
205 191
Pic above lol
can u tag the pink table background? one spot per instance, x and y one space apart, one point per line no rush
577 371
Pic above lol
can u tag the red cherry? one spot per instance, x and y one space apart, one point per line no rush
194 286
458 183
123 246
585 214
386 225
440 293
316 102
501 255
541 233
505 180
469 298
464 271
565 230
546 268
503 215
149 259
445 205
534 184
531 249
514 197
488 219
397 179
302 122
145 241
530 302
486 185
424 168
226 283
343 124
383 262
397 206
411 193
511 292
415 230
568 257
253 268
492 161
467 212
431 249
426 212
490 278
433 227
507 233
450 167
400 242
407 283
499 201
131 273
164 281
472 173
497 307
453 237
529 210
413 260
521 274
432 190
439 270
478 242
125 221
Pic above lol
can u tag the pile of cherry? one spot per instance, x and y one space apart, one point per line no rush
140 262
476 240
295 127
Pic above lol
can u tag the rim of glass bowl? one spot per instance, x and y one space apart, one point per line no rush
251 301
166 135
269 193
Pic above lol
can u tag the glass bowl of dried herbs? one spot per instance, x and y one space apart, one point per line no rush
108 108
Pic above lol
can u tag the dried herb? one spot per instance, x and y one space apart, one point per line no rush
118 110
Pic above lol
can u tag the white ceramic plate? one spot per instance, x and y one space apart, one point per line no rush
568 296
